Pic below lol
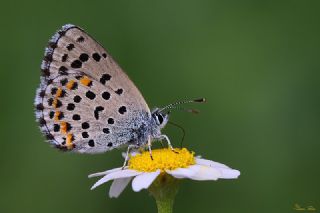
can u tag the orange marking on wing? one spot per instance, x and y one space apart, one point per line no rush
63 127
69 140
59 92
54 104
85 81
56 115
70 84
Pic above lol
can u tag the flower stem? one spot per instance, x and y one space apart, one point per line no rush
164 190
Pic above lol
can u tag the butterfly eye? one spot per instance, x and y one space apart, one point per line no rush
159 118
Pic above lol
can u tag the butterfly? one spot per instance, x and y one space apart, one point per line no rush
87 104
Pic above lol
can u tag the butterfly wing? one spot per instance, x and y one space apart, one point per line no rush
85 102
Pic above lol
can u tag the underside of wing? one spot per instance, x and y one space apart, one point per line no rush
85 98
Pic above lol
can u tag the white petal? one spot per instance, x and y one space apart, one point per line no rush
118 174
227 172
144 180
210 163
181 173
205 173
117 186
196 172
104 173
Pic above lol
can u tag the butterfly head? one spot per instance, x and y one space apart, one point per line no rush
160 118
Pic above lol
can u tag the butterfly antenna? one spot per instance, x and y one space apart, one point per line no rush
182 129
194 111
174 105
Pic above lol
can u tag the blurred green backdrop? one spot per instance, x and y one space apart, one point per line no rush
256 62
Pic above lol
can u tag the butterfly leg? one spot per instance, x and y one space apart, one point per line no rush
149 147
164 137
127 156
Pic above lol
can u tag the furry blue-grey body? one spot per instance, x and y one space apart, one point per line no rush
139 129
135 131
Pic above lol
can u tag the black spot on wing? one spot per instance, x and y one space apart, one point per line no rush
119 91
50 101
91 143
54 90
85 125
76 117
90 95
51 114
52 44
104 78
42 122
40 106
96 57
77 99
58 103
76 64
70 47
63 70
84 57
122 110
45 72
97 110
64 81
70 106
69 127
110 121
64 58
48 57
56 127
60 116
85 134
106 130
74 86
106 95
42 93
80 39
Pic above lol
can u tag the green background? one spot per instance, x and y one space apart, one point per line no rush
256 62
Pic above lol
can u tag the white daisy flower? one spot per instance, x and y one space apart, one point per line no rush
143 171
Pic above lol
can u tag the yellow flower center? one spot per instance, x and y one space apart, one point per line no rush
163 159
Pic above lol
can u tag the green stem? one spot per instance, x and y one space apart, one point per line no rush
164 190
